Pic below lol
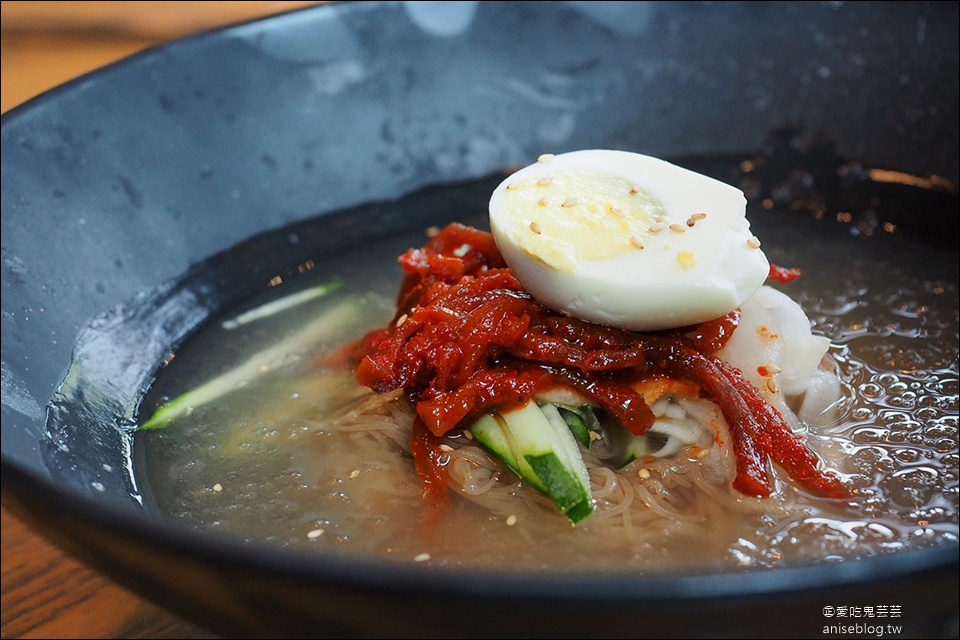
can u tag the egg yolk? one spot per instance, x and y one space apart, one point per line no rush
573 216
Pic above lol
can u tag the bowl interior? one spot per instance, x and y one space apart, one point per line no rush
128 196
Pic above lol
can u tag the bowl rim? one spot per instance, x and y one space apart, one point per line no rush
21 486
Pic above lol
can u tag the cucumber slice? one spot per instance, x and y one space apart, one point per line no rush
489 432
537 445
340 318
567 449
581 421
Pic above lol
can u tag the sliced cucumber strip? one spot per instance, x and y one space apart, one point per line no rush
281 304
537 445
581 421
314 333
567 449
489 432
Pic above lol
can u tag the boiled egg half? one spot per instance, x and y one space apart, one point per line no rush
627 240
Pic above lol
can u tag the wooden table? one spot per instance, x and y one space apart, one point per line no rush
45 593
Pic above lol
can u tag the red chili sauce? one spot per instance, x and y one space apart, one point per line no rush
467 339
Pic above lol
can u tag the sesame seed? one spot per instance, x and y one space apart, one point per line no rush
636 241
445 447
218 487
656 227
594 436
677 227
772 368
644 474
753 242
697 217
545 181
569 202
545 157
771 385
468 434
542 202
634 191
423 557
401 319
355 473
512 186
432 232
691 221
511 520
703 453
535 227
617 211
316 533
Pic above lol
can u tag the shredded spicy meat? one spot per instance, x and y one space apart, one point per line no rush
782 275
467 339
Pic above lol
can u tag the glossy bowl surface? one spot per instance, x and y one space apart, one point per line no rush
118 186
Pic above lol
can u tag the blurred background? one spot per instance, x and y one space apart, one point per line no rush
47 43
46 594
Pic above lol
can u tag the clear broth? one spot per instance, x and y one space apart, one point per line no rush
258 463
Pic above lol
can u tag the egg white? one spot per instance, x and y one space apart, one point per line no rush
558 237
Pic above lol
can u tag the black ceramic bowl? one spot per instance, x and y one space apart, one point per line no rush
118 185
